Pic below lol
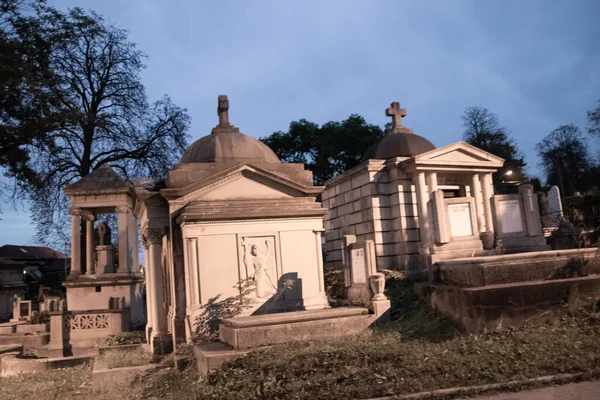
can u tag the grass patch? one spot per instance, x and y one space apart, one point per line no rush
119 358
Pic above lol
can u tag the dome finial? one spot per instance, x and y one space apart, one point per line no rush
223 111
397 114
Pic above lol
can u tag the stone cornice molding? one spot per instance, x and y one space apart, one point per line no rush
81 212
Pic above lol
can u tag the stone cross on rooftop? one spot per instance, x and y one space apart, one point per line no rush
397 114
223 111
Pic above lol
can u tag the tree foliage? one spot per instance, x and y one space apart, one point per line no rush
326 150
483 130
25 102
98 113
565 160
594 121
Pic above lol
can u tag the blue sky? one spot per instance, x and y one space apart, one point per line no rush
534 63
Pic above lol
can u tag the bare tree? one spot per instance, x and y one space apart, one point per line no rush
100 115
483 130
564 158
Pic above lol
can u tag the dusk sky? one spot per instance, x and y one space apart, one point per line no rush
534 63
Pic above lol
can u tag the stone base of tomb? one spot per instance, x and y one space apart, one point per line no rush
489 293
512 245
240 335
110 292
210 356
458 249
494 307
160 345
262 330
514 268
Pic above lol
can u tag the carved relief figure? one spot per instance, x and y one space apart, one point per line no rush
259 255
104 234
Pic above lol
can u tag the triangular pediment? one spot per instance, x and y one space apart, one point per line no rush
244 183
459 154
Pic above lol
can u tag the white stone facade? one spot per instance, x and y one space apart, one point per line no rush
392 203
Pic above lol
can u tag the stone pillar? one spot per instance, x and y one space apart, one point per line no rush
149 291
89 246
422 200
432 182
320 271
476 192
487 197
123 244
75 241
154 237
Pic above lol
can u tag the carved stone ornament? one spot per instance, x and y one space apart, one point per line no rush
154 235
377 282
259 258
104 233
123 209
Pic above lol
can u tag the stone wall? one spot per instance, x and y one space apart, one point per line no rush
374 201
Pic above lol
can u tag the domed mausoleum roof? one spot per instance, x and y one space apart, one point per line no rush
400 141
227 144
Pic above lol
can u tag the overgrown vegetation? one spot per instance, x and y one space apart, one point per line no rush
124 338
420 350
40 318
119 358
206 325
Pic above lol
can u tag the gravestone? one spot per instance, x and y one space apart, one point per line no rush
361 267
460 218
555 210
511 216
517 222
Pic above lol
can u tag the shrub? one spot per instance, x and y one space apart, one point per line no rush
40 318
124 338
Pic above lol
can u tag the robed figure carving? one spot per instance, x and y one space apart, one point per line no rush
259 256
104 234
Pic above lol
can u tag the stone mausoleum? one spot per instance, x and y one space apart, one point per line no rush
420 205
230 222
432 212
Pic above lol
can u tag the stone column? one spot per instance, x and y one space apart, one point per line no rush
476 191
89 245
432 182
422 200
320 271
123 243
149 290
75 241
487 197
154 237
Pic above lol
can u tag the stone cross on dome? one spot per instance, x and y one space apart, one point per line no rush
397 114
223 111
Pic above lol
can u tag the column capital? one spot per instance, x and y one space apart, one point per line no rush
123 209
88 216
76 211
154 235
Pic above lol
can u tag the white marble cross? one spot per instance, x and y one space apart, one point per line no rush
530 198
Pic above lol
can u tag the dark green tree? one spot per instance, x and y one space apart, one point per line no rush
483 130
98 113
565 160
594 121
25 76
326 150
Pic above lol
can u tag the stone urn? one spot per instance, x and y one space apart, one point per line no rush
487 238
377 282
